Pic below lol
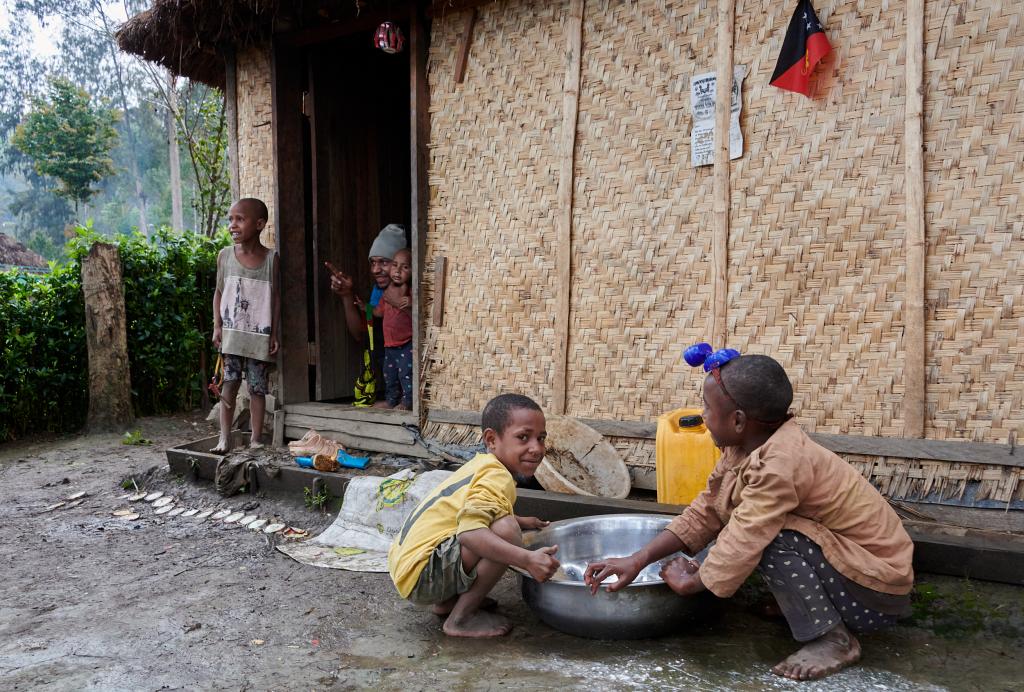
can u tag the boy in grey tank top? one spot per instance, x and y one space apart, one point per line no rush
245 317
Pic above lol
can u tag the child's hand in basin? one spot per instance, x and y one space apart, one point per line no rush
542 564
682 576
624 569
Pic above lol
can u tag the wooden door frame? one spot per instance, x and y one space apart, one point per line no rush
286 71
419 136
287 68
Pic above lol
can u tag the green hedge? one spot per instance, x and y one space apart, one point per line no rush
168 284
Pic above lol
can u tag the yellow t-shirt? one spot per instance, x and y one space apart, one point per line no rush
477 495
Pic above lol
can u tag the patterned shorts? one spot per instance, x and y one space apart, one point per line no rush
256 372
812 595
398 375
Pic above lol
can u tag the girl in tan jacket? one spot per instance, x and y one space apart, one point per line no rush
830 548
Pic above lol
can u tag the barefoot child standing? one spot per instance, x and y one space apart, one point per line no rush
245 316
830 548
395 307
458 542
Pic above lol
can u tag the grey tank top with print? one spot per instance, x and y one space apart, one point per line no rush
246 305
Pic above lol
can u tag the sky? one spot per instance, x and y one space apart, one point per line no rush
46 36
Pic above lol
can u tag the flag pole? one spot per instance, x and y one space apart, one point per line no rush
723 105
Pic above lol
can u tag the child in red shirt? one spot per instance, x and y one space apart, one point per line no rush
395 308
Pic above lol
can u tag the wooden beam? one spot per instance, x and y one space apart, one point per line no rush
419 139
914 344
440 284
366 19
930 450
442 8
346 412
231 116
380 431
366 444
464 43
563 241
290 221
723 107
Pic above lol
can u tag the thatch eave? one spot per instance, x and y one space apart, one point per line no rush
188 37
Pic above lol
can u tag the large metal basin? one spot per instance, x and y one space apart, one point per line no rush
645 608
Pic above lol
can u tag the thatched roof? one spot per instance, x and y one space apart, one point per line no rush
15 254
187 36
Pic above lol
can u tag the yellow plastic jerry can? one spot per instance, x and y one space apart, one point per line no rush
685 456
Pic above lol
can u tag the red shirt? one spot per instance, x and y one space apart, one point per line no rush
397 325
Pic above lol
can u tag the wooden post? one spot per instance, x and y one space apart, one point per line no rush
419 136
723 107
110 391
231 115
464 43
914 346
563 241
440 284
286 68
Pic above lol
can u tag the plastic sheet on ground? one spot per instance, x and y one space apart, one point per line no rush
372 513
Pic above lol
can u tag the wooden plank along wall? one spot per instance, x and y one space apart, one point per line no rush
821 271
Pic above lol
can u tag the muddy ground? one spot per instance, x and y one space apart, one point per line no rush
91 601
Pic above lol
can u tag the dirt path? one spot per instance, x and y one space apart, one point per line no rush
90 601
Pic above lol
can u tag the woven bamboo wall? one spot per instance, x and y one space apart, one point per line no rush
641 255
255 133
816 234
816 251
974 177
493 180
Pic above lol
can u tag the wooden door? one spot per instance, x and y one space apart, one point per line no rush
358 104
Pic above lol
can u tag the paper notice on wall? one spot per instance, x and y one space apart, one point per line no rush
702 101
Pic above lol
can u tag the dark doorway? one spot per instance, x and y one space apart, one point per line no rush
359 110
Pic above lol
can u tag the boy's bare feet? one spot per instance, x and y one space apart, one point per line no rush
829 653
223 445
255 445
382 404
479 625
443 609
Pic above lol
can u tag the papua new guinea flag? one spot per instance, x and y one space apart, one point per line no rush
805 44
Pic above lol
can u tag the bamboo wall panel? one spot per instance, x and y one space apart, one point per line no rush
817 250
493 198
974 178
816 254
641 263
255 134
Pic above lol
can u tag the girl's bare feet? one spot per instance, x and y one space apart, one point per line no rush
223 445
828 654
478 625
443 609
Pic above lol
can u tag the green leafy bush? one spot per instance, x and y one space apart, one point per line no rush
44 375
168 284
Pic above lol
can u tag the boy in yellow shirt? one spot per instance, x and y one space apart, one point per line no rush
461 538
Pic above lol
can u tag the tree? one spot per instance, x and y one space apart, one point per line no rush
69 139
206 139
